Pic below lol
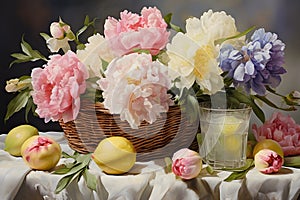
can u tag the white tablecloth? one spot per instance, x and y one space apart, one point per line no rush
145 181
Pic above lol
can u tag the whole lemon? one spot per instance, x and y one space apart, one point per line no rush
17 136
268 144
115 155
41 152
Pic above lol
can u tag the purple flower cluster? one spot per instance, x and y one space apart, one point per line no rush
257 64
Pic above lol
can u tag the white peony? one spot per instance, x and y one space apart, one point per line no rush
95 51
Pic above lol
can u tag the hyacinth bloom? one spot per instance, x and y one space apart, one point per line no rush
268 161
136 88
282 129
257 64
147 31
187 163
193 55
57 87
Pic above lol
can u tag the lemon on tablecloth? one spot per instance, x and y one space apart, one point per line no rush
115 155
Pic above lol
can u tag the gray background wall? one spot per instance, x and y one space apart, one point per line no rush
30 17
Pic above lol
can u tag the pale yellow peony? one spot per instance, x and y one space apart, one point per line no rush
193 55
95 52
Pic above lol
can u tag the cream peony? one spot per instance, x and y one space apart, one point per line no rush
95 52
193 55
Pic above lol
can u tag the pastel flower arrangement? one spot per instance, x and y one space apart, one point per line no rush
137 71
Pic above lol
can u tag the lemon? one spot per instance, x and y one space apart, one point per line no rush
233 143
268 144
115 155
231 124
17 136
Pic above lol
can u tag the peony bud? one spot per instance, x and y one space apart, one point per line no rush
268 161
59 30
41 152
187 164
14 85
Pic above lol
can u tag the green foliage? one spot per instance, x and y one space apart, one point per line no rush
240 173
19 102
73 171
220 41
27 55
292 161
168 19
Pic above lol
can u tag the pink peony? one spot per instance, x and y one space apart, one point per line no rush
268 161
136 88
282 129
57 87
147 32
187 164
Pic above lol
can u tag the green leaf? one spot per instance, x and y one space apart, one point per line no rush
30 106
199 138
168 19
86 20
243 98
20 56
62 170
236 175
90 179
26 48
84 158
220 41
45 36
65 181
209 169
292 161
17 103
76 168
66 155
19 61
104 65
240 173
249 163
273 105
168 162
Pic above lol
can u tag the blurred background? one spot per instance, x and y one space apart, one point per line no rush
30 17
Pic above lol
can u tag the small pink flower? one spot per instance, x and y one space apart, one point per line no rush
59 31
147 32
57 87
282 129
187 164
268 161
61 34
136 88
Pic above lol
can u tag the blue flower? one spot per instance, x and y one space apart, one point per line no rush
257 64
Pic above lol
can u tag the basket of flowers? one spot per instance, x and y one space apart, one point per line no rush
137 82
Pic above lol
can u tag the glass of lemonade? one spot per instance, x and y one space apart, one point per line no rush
224 132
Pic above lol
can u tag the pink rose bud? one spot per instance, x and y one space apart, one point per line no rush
187 164
268 161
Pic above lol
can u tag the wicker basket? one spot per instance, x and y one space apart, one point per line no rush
162 138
